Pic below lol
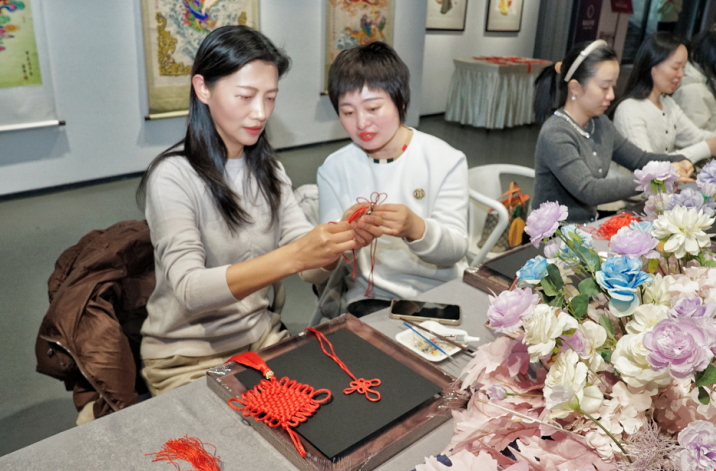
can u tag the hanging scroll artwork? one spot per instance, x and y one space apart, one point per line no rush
352 23
173 31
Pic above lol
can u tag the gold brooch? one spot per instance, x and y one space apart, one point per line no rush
419 193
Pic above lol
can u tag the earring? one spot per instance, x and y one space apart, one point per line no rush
574 97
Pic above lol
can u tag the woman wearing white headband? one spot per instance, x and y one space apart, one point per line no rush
577 143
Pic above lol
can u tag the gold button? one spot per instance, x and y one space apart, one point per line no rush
419 193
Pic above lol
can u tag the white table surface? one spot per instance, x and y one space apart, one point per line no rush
121 440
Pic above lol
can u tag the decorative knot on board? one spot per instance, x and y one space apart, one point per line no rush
361 385
281 403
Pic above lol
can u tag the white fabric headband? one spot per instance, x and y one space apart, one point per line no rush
583 55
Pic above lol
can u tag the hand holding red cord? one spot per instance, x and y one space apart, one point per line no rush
400 221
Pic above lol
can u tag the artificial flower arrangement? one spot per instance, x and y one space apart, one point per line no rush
608 362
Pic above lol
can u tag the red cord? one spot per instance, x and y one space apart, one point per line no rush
285 403
611 226
361 385
367 208
188 449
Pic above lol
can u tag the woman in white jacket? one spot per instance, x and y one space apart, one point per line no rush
647 115
696 94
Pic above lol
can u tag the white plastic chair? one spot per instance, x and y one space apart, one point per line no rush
485 193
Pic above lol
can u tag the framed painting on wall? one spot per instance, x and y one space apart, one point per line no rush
446 15
504 15
173 31
352 23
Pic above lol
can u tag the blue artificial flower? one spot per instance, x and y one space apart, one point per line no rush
585 236
643 226
620 277
534 270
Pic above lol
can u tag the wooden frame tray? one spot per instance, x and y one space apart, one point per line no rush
488 280
374 451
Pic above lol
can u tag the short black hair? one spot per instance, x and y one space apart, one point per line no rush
375 65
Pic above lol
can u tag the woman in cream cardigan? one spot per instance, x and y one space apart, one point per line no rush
696 94
647 115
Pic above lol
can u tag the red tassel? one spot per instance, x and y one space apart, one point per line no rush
189 449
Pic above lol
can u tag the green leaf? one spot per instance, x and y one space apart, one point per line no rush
589 287
710 264
608 325
575 237
579 305
546 299
589 257
554 276
706 377
569 333
653 265
703 396
558 301
654 187
548 287
607 356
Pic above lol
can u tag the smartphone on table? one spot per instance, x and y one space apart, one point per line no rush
418 311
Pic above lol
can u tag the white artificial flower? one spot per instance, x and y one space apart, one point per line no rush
632 406
542 327
658 291
683 229
629 358
595 336
603 444
564 387
646 317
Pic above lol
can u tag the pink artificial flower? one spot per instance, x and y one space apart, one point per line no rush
510 307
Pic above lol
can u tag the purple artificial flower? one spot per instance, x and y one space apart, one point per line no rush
708 189
689 198
496 393
683 344
544 221
691 307
577 342
633 244
698 441
661 171
707 174
507 309
551 249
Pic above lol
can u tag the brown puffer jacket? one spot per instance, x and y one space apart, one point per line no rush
90 336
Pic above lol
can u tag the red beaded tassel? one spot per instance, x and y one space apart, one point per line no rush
188 449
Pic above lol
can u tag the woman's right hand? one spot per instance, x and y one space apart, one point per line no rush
685 169
324 245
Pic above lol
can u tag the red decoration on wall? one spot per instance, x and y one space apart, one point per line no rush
622 6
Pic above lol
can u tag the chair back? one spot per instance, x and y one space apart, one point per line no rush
485 194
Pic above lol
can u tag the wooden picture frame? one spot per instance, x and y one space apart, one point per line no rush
504 16
446 15
388 441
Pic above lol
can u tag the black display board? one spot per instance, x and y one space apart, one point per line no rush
348 420
510 264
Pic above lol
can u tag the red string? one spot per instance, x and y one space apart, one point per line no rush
281 403
361 385
188 449
611 226
367 208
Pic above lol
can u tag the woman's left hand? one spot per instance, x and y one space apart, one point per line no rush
685 169
400 221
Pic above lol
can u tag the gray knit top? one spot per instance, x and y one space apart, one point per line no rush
571 168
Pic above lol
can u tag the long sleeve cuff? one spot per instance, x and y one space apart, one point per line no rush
696 152
429 241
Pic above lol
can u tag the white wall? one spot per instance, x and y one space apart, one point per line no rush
442 47
100 87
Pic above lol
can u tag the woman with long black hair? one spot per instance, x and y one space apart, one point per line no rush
223 219
696 94
647 115
577 143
